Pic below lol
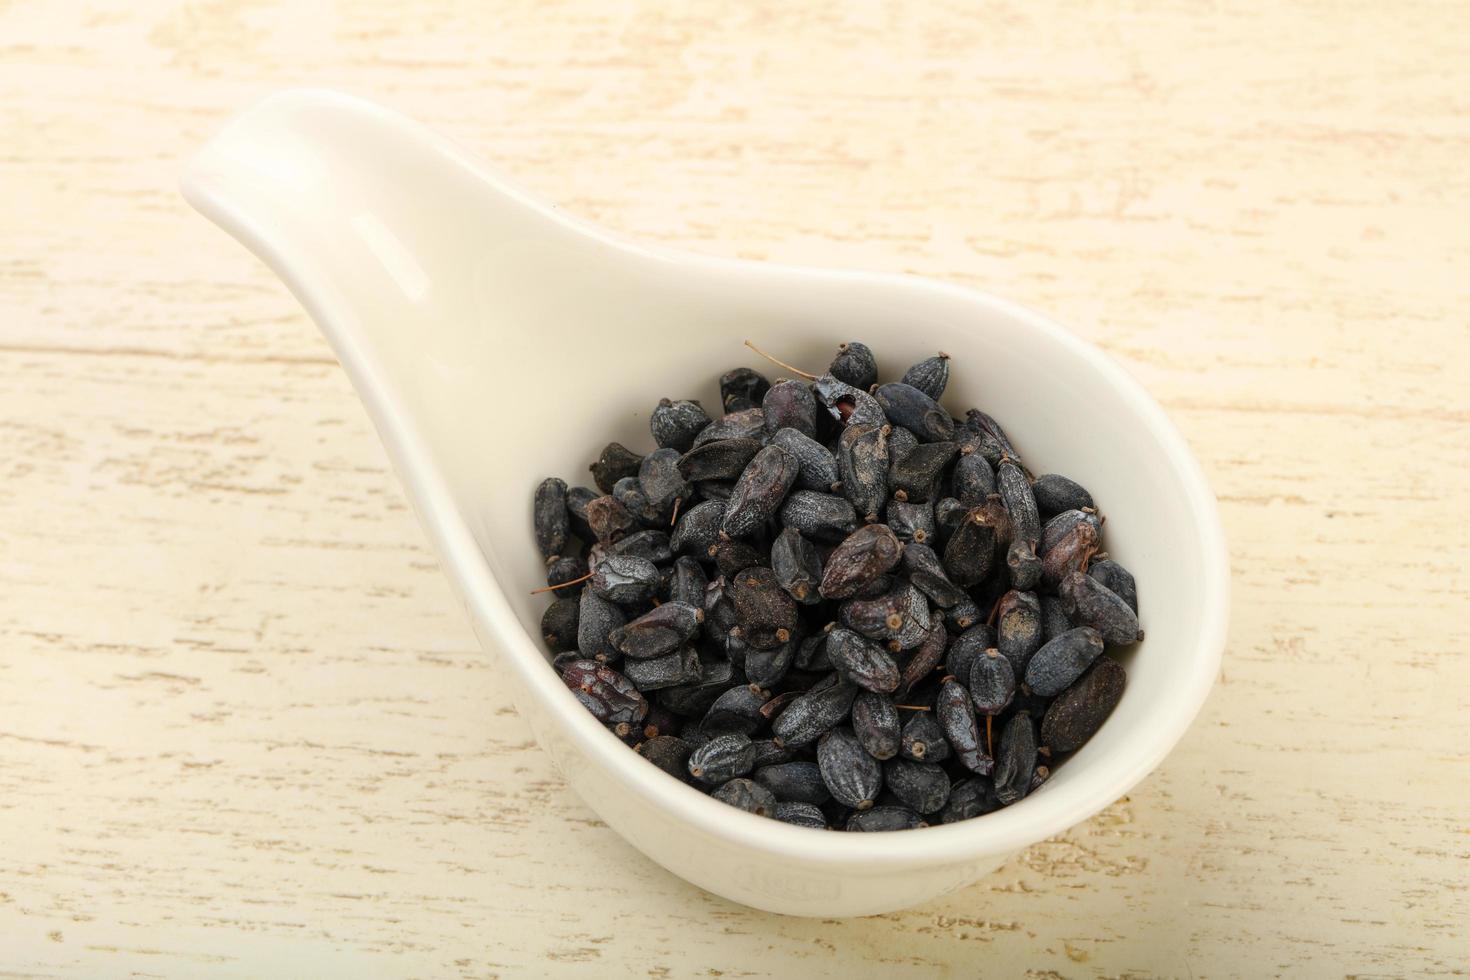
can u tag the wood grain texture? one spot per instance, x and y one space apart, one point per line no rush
245 731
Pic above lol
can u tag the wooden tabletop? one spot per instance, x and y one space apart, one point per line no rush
244 729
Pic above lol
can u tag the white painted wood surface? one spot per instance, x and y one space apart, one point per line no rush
245 731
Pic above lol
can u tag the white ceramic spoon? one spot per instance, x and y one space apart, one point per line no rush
495 341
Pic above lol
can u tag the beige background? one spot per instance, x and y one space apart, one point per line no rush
243 727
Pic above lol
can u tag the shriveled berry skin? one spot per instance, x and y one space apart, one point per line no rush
962 616
698 528
550 517
819 516
847 404
624 579
901 442
971 548
853 777
596 619
964 648
609 695
662 483
1055 493
760 491
881 819
609 519
794 782
813 714
1090 603
922 740
1056 527
765 613
1117 579
724 757
855 364
687 583
811 654
669 753
1018 628
911 522
992 682
875 722
691 700
1015 759
862 463
931 375
974 440
1071 553
925 658
577 500
629 493
797 565
566 569
879 618
927 573
1059 662
733 556
767 668
767 752
974 480
991 427
747 424
916 476
742 388
559 624
1054 618
735 710
922 786
1023 566
817 466
747 795
956 716
672 669
1080 710
801 815
790 405
948 514
649 545
969 798
719 459
1020 502
674 424
862 662
864 555
909 407
615 462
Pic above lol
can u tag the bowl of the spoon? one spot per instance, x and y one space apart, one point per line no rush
495 341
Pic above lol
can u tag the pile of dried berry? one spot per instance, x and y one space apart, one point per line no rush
836 605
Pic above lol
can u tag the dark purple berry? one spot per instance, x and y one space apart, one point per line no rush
741 388
759 492
609 695
1080 710
615 463
722 758
1055 493
931 375
675 424
747 795
909 407
956 716
853 777
1090 603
